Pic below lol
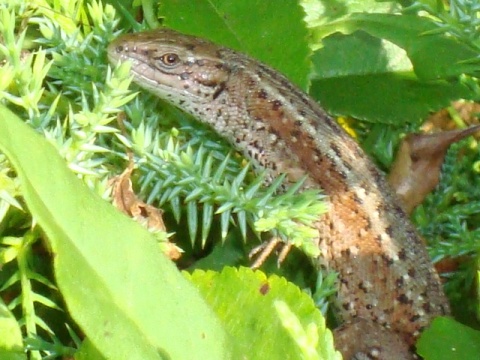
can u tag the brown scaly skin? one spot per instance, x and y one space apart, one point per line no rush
389 290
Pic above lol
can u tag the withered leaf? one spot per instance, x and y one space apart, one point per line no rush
416 170
125 199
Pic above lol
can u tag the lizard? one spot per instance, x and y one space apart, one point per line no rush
388 289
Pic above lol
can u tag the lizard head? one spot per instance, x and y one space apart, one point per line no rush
178 68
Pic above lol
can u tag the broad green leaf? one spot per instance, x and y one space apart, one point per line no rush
269 318
270 31
376 81
88 351
11 344
325 11
434 55
129 299
447 339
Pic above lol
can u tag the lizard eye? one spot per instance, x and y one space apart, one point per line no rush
169 59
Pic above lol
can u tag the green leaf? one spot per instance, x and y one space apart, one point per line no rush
269 318
266 30
447 339
434 55
397 70
88 351
11 344
129 299
376 82
325 11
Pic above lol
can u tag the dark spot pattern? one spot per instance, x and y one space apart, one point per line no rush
402 254
414 318
221 87
276 104
427 307
356 199
402 298
389 230
336 150
387 260
296 133
264 289
262 94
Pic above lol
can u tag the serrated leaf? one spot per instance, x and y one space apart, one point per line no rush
245 302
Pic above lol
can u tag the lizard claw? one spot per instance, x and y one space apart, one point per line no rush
264 250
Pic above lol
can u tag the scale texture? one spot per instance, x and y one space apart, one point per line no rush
389 290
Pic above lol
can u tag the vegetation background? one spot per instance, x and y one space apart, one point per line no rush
79 279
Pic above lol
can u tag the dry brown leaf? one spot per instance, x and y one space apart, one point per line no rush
125 199
416 169
449 265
